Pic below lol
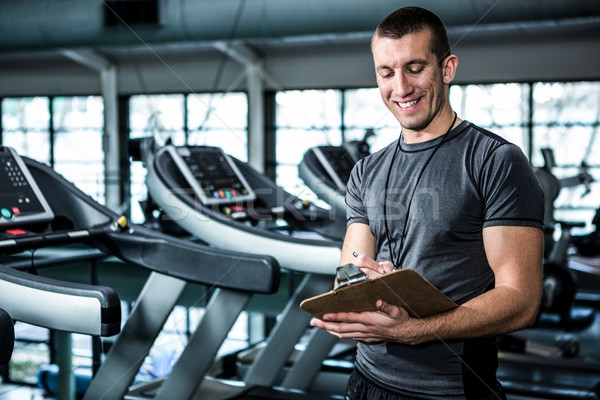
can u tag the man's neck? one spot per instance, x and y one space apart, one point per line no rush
438 127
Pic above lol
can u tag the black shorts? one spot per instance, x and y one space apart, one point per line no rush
360 387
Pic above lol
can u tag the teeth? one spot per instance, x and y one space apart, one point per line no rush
408 104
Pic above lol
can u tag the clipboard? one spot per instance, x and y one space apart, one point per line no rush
404 287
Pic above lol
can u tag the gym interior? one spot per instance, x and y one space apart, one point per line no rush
123 277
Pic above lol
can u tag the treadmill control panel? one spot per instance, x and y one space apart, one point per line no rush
338 163
21 201
211 174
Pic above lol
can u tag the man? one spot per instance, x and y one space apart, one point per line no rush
456 203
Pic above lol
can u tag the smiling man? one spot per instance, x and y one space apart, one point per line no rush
455 202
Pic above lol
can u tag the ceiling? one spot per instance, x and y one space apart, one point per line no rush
34 29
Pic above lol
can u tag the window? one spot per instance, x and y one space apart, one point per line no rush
500 108
363 109
304 119
562 116
64 132
566 119
219 120
26 126
195 119
78 153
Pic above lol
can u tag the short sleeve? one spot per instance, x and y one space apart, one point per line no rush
510 190
355 206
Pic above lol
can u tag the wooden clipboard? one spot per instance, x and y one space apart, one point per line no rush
404 287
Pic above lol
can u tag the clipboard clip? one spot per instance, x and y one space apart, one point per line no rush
349 274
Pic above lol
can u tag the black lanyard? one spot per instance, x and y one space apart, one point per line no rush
396 261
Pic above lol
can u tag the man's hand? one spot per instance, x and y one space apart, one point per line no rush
388 323
371 267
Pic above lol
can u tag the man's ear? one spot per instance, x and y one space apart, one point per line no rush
449 68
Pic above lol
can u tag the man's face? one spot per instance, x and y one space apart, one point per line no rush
410 79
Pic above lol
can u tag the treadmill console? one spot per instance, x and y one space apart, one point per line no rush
21 201
337 162
212 175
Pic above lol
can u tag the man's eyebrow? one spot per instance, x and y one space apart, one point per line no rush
419 61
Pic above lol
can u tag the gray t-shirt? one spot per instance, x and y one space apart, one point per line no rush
473 180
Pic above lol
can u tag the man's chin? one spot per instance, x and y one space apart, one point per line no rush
413 125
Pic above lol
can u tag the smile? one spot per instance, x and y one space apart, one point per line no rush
408 103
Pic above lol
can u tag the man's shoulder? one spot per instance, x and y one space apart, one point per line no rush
484 143
476 133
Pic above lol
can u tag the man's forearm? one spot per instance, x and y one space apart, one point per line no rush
500 310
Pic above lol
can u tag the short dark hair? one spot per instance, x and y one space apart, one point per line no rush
409 20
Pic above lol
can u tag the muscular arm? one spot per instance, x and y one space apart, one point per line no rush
515 255
358 239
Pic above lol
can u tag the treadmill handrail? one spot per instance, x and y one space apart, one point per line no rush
193 262
157 251
41 240
55 304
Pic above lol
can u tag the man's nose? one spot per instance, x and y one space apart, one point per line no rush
402 85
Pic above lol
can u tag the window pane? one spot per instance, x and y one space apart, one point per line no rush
138 191
212 119
309 109
572 103
500 108
78 112
78 152
80 159
31 353
293 143
219 120
364 110
514 134
30 113
159 116
220 111
304 119
491 105
569 144
33 144
26 126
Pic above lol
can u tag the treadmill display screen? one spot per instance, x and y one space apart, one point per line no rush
212 175
338 163
21 201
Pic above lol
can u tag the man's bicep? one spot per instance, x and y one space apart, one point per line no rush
515 255
358 239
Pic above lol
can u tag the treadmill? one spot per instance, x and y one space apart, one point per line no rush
229 205
326 171
521 374
40 208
